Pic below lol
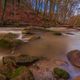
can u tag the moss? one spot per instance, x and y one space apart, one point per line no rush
17 72
5 43
60 73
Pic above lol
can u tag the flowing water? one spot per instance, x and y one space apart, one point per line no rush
54 47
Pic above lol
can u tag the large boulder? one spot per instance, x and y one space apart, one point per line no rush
22 73
20 60
25 60
74 57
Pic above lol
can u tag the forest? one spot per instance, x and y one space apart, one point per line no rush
55 12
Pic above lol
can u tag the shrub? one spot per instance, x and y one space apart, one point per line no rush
60 73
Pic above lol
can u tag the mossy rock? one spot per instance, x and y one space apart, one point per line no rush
9 60
5 43
74 57
26 60
61 74
22 73
10 36
9 43
34 37
20 60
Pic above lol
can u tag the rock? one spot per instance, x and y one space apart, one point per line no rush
61 62
74 57
6 70
59 73
25 60
77 78
34 37
22 73
2 77
27 31
9 60
20 60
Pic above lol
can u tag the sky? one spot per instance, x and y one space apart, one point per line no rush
77 10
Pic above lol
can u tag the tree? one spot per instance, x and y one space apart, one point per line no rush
4 3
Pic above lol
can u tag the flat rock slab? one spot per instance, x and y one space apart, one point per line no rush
74 57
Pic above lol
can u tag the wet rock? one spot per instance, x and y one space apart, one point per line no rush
27 31
22 73
10 36
74 57
9 60
26 60
5 43
20 60
34 37
69 33
60 74
2 77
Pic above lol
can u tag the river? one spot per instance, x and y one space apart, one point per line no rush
54 47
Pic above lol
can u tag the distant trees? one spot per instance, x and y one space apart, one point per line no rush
4 6
60 10
4 3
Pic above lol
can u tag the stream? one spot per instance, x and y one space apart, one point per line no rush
55 47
